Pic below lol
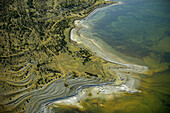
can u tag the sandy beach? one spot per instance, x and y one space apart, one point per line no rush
95 47
123 83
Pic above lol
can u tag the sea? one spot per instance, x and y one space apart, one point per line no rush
139 32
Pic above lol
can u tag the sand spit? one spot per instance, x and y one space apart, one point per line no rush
96 89
57 91
101 92
56 94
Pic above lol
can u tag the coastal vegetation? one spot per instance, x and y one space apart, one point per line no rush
35 49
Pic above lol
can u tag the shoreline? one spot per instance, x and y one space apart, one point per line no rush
101 7
128 85
97 91
91 14
97 49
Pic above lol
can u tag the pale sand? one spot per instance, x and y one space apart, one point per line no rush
99 51
103 92
128 83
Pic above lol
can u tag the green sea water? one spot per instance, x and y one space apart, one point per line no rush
136 28
140 31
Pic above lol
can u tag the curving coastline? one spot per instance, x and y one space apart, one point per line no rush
42 72
78 37
57 91
54 96
82 89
